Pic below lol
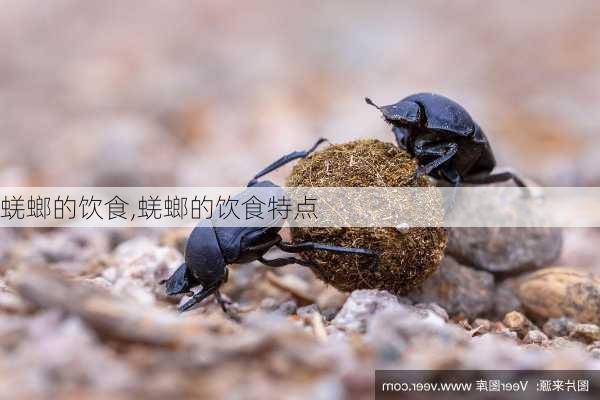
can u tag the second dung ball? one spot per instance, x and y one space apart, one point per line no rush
406 257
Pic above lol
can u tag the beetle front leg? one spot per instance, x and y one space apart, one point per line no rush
198 297
444 151
284 160
401 134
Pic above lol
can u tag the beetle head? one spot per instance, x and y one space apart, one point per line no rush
204 264
400 113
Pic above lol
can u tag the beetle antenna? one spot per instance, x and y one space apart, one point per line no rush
371 103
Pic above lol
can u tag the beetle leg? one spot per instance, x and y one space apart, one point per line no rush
311 246
198 297
495 178
180 281
224 303
401 134
263 247
283 261
284 160
502 177
452 176
445 151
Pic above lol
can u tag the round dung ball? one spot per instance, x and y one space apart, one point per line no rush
406 256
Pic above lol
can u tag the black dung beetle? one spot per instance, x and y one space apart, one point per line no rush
447 143
210 248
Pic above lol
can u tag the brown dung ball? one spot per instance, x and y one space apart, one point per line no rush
406 257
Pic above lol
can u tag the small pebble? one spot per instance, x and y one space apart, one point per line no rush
500 250
460 290
482 325
561 292
563 343
535 336
586 332
556 327
330 297
288 308
435 308
306 311
594 349
465 324
505 298
594 345
517 322
507 333
12 303
405 300
500 329
403 228
361 307
268 303
329 313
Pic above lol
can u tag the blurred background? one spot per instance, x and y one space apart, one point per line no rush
199 93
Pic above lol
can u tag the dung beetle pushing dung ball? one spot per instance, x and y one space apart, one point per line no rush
211 248
445 140
406 257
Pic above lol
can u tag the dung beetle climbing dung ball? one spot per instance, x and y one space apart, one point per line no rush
210 248
406 256
441 134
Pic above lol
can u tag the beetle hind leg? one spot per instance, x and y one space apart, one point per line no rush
496 178
311 246
283 261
